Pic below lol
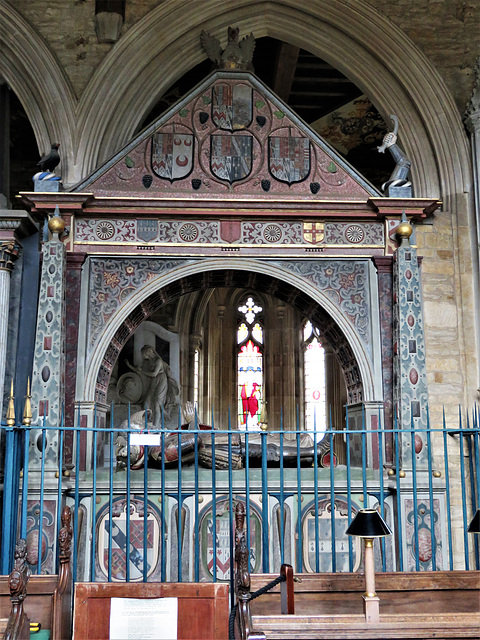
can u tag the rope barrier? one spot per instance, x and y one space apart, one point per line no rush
252 596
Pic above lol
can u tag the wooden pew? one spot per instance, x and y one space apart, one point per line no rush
47 598
202 607
440 604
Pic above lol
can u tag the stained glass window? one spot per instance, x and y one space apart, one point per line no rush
250 365
314 366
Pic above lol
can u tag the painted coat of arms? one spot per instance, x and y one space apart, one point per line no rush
289 158
321 548
172 155
313 231
119 542
232 106
147 230
231 157
215 540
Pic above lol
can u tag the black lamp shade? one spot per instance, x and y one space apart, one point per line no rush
474 526
368 523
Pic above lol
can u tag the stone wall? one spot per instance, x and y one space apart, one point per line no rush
445 30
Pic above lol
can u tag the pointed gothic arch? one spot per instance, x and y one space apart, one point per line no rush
34 74
432 132
363 384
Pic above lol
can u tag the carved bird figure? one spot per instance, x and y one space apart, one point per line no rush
236 55
51 160
390 138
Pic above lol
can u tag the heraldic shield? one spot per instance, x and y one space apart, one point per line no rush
231 157
147 229
289 158
172 155
232 106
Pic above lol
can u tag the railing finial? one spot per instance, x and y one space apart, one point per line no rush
11 408
27 411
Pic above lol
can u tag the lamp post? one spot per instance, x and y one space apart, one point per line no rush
474 526
368 524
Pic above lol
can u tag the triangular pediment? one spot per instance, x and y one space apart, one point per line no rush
232 138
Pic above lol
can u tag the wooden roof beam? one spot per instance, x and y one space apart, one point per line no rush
285 70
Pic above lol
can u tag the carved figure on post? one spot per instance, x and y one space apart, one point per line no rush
398 185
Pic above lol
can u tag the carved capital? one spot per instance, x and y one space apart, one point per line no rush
195 341
383 263
472 120
8 254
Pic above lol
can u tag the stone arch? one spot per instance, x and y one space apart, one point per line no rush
356 39
34 74
357 366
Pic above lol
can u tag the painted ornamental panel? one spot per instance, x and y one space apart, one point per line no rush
232 137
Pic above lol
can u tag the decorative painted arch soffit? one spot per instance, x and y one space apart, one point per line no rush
334 294
230 164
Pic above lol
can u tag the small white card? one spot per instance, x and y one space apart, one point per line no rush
144 439
143 619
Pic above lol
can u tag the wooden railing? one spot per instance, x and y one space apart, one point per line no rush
43 599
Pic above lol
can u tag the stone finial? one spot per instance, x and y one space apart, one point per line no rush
237 55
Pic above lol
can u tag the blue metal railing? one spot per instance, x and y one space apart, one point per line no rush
170 521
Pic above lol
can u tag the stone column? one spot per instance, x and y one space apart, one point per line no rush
472 122
48 376
410 394
8 254
15 225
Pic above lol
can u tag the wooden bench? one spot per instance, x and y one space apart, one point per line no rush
202 607
440 604
45 599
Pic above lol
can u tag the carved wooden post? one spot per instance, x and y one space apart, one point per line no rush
18 625
242 577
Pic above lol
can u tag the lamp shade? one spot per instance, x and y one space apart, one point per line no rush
474 526
368 523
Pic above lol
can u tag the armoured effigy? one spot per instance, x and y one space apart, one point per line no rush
216 447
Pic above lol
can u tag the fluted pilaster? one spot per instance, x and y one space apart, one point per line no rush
8 255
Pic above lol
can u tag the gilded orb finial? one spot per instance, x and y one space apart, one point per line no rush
56 224
404 229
